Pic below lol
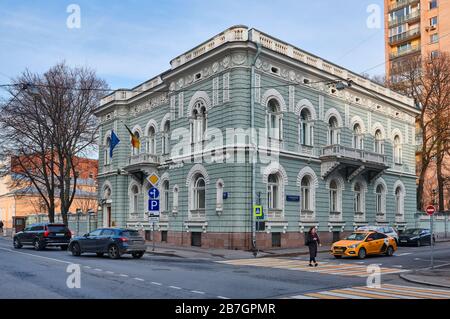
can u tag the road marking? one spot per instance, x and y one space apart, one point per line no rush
123 275
398 266
110 272
198 292
98 269
138 279
222 297
32 255
156 283
403 254
175 287
87 267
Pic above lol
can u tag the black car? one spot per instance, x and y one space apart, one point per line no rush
112 241
43 235
415 237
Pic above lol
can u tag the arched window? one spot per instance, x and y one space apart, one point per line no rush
334 204
134 150
199 198
134 200
380 199
379 142
198 123
358 137
273 193
333 131
274 120
357 200
397 150
151 145
306 129
305 196
165 138
106 157
165 196
219 196
399 201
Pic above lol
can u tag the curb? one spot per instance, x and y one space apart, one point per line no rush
422 282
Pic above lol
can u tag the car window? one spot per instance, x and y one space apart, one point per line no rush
37 228
57 228
130 233
357 236
108 232
95 232
380 236
412 231
373 236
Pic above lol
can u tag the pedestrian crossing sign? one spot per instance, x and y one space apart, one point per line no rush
258 211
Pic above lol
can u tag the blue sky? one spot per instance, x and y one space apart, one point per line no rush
129 41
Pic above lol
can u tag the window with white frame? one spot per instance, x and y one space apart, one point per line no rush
198 123
379 142
333 131
397 150
380 194
165 138
273 193
219 195
399 201
306 128
199 194
165 196
358 198
134 200
358 137
151 145
306 200
107 158
334 197
274 120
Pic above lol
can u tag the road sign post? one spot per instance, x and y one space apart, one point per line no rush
153 205
430 211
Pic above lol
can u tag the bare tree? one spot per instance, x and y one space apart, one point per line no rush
427 81
47 124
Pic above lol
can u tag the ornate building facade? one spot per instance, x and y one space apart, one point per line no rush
323 153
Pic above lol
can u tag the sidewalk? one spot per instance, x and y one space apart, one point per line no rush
439 277
225 254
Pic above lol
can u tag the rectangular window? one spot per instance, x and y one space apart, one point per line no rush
434 38
434 21
196 239
164 236
434 54
433 4
276 239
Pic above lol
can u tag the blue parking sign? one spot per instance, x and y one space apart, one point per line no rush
153 205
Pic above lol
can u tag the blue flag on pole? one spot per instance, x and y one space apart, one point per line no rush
114 141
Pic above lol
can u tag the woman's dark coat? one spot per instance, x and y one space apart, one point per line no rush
312 244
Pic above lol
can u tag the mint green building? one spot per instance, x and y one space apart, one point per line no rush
243 119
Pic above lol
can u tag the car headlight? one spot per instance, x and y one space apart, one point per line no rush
353 246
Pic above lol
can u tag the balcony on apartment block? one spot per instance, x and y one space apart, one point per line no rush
404 36
401 53
352 163
142 164
401 4
409 18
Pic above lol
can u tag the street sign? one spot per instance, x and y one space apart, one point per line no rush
292 198
430 210
153 179
258 212
153 193
153 219
153 205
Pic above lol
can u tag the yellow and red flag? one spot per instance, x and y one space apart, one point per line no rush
135 141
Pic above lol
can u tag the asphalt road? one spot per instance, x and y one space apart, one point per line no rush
26 273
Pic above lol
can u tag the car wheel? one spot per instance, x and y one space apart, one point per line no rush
137 255
113 252
390 251
64 247
17 244
100 254
37 245
337 256
362 253
75 248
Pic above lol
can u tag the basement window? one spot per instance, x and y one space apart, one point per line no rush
198 76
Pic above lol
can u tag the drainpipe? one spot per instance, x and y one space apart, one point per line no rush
254 145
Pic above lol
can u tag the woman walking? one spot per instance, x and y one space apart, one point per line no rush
312 241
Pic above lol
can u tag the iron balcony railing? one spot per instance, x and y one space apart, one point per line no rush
353 153
400 53
406 18
404 36
402 3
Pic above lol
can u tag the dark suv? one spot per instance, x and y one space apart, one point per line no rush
42 235
113 241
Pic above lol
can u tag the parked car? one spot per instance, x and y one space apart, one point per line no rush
362 243
43 235
415 237
112 241
388 230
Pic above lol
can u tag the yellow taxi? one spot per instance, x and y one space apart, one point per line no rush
362 243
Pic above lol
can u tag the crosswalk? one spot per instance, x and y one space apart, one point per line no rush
340 269
386 291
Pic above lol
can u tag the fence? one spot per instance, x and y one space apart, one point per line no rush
79 224
441 224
